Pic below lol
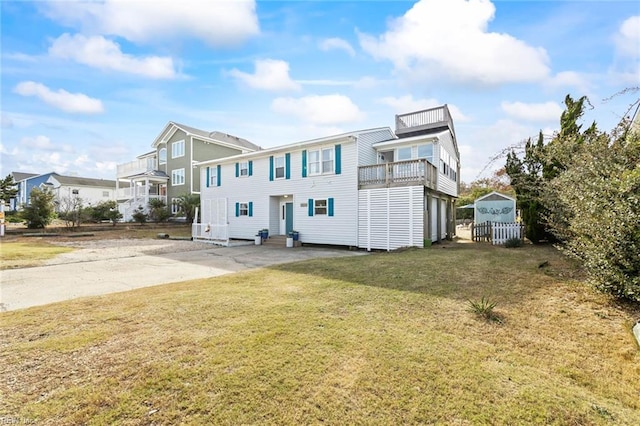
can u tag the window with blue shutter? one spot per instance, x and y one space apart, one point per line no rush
271 167
237 169
304 164
287 166
250 167
218 171
208 174
250 208
330 208
310 204
237 209
338 164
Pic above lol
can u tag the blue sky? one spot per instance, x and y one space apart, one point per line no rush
88 85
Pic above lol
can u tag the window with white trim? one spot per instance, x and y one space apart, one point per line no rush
426 151
321 161
404 154
162 156
75 191
243 209
177 149
279 165
319 207
105 193
177 177
213 176
175 205
244 168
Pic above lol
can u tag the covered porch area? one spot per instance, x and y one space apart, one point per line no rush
142 188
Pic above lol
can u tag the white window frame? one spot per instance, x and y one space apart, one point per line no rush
213 176
177 177
403 149
175 208
428 158
321 166
162 156
243 209
243 169
177 149
105 193
323 209
279 164
75 191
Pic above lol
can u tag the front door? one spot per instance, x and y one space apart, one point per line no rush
286 218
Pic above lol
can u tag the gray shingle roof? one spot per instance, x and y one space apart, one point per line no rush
18 176
82 181
222 137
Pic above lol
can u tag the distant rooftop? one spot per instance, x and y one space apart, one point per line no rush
220 136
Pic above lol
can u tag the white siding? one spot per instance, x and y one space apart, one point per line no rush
366 154
90 195
340 229
445 183
390 218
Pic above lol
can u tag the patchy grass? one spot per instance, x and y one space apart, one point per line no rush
380 339
21 254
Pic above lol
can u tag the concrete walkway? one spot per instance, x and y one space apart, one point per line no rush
23 288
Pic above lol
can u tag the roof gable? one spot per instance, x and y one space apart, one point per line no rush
495 196
220 138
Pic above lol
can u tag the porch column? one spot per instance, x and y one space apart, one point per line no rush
146 192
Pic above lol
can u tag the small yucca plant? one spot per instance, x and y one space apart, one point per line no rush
484 308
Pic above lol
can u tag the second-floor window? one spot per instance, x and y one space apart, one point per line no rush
162 156
177 149
279 166
321 161
404 153
426 151
177 177
244 168
213 176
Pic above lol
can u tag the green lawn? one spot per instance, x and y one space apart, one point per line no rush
383 339
20 254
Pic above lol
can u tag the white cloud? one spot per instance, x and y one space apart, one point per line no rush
270 74
566 79
69 102
627 39
449 38
406 103
218 23
319 110
537 112
336 43
98 52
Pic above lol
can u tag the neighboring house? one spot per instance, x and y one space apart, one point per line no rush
91 191
495 207
371 188
169 170
21 198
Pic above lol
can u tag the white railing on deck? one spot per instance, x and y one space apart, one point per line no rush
135 167
217 234
399 172
432 116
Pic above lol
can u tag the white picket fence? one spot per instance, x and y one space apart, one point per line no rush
501 232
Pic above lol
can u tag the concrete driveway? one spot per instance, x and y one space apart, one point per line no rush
92 271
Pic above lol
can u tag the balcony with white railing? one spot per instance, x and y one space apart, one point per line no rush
425 121
135 167
398 173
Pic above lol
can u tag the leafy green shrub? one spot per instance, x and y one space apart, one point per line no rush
484 308
514 242
140 216
158 211
41 210
13 217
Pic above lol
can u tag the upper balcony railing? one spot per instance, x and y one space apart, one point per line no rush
135 167
399 173
419 122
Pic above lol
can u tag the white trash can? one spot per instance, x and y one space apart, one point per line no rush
289 241
258 240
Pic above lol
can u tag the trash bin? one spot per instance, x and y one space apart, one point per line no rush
258 239
289 242
264 233
295 235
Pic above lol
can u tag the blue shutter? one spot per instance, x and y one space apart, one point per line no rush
208 174
250 167
218 170
287 166
271 167
237 209
250 208
338 160
237 169
310 206
304 163
330 208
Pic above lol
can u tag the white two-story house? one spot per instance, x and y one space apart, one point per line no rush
169 170
373 189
